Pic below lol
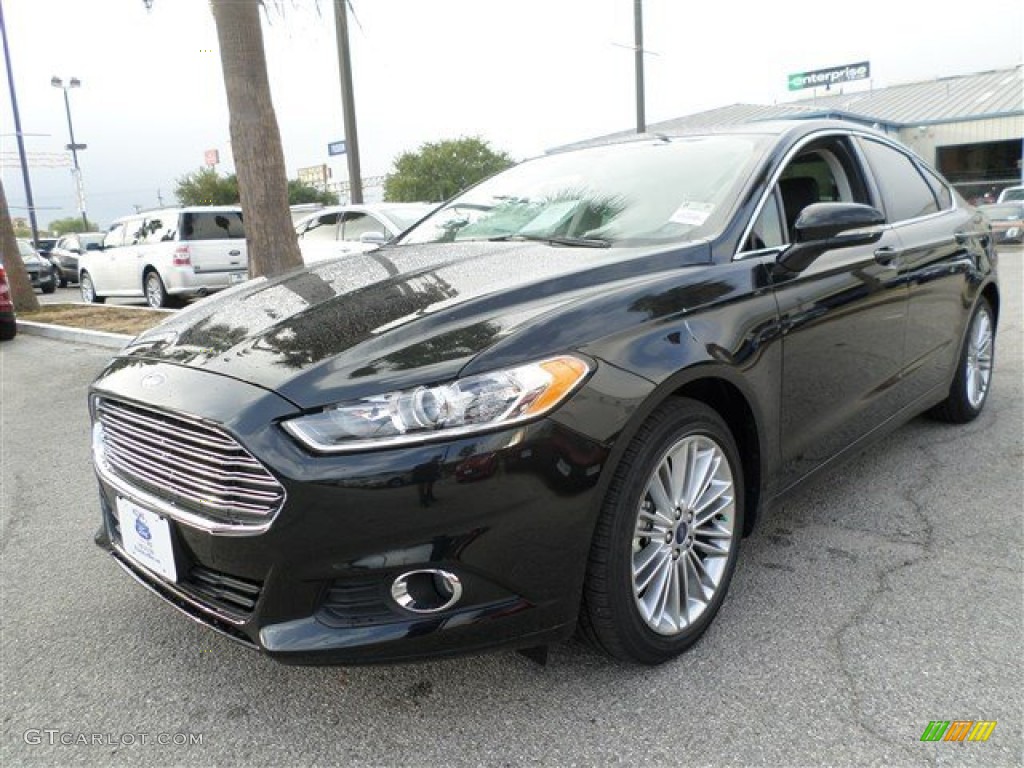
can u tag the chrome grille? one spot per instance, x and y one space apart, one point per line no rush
187 463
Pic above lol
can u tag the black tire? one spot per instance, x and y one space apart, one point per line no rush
51 286
8 330
88 290
153 288
61 280
610 618
959 407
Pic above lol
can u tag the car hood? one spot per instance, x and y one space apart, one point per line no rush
399 316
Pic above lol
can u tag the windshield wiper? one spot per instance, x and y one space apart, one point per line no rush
581 242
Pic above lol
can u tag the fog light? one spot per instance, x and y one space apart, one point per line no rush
426 591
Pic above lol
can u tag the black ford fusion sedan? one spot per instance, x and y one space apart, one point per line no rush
559 401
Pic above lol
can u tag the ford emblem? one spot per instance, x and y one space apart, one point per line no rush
142 529
152 380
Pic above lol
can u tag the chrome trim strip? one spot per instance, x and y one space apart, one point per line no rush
132 434
147 469
740 254
177 514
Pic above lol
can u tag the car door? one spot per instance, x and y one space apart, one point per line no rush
125 275
98 263
843 318
935 259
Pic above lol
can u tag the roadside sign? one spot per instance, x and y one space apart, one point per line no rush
315 175
336 148
212 157
831 76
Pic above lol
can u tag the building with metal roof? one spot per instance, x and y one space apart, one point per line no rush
970 127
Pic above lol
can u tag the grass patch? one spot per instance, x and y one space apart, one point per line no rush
128 320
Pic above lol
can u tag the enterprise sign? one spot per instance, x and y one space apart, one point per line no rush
827 77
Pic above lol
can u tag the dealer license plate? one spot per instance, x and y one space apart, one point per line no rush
146 538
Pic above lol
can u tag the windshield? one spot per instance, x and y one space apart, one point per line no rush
91 242
628 194
406 217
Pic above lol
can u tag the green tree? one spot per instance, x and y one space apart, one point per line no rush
207 187
300 193
70 225
439 170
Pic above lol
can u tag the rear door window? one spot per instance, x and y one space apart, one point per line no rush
905 193
161 229
212 225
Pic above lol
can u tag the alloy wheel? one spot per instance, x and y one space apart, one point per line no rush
979 358
683 535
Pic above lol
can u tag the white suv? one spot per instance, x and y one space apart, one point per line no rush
167 255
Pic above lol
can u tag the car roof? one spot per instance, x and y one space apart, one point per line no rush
180 209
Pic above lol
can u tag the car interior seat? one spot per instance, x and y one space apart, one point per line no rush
797 193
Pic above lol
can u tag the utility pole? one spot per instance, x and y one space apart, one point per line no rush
348 105
17 129
638 42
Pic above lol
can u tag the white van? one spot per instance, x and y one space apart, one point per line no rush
167 255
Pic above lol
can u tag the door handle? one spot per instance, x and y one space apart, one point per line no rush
886 255
234 253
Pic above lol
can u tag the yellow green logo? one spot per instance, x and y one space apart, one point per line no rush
958 730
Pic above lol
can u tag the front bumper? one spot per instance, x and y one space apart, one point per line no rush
314 586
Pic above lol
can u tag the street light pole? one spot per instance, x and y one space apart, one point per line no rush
17 130
348 106
638 38
74 82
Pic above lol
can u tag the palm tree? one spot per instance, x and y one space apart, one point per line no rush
22 294
255 138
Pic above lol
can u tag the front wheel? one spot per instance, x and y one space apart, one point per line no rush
85 285
969 391
668 536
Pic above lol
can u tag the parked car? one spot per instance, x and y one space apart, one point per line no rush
8 320
343 229
649 343
1010 194
167 255
1007 221
44 245
64 254
40 271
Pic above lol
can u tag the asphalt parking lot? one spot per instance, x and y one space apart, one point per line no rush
882 597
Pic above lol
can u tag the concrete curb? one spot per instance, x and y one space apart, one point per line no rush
77 335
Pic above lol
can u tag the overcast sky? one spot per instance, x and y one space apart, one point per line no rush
525 75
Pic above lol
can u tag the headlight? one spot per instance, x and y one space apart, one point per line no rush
472 404
1012 232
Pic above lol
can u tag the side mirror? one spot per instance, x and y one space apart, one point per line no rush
825 227
77 251
377 238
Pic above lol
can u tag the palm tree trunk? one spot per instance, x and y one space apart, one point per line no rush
255 139
22 293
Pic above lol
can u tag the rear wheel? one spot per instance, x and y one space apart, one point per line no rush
668 537
970 387
156 294
88 290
